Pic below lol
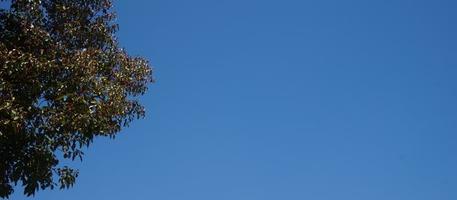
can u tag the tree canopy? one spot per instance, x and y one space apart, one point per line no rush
63 81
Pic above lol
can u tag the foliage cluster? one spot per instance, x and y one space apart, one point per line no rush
63 81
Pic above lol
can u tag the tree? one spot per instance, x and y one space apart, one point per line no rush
63 81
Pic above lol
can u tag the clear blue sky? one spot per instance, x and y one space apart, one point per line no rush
285 100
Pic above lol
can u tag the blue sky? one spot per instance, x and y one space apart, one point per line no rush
291 99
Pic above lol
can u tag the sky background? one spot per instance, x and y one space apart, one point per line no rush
290 99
